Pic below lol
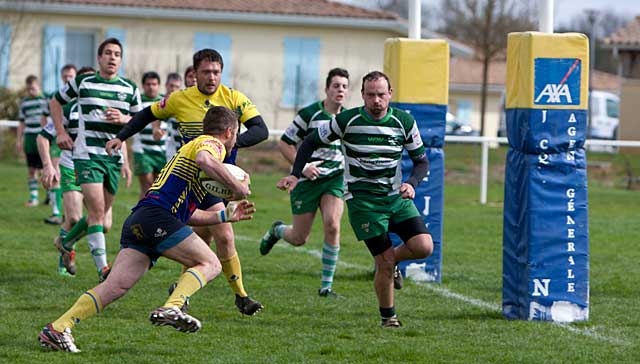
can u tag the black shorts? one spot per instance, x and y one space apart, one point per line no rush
34 161
405 229
152 230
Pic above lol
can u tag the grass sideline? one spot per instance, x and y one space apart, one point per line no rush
299 327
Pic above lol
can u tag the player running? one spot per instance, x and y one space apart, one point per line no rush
321 185
188 106
157 227
373 139
105 102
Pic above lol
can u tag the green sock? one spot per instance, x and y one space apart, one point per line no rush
63 233
33 189
329 261
76 233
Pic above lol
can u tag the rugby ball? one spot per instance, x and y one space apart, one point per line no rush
217 188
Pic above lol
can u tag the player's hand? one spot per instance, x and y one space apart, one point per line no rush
158 134
18 146
287 183
243 191
239 210
64 141
114 116
126 174
49 177
113 146
311 170
407 191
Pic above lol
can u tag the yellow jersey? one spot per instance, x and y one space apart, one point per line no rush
189 106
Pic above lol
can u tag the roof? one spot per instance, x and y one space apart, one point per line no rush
466 74
323 8
627 36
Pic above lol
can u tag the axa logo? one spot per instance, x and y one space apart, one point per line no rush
557 81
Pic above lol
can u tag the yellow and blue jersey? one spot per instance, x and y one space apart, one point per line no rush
177 188
189 106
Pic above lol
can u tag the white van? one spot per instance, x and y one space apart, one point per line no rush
605 107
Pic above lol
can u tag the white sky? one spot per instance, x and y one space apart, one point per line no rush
564 9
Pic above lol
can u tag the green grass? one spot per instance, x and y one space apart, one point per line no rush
296 325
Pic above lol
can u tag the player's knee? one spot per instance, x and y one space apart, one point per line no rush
424 246
332 229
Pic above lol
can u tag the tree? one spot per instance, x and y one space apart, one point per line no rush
485 24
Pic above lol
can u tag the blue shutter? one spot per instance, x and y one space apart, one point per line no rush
221 42
5 49
301 71
310 56
121 35
52 57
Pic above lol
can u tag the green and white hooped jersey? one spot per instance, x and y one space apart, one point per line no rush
31 111
70 122
94 95
143 141
373 149
328 155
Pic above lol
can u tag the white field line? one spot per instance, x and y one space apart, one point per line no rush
589 332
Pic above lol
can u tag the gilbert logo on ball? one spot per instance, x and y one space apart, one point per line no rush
217 188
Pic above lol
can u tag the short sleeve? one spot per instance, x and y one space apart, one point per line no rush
244 107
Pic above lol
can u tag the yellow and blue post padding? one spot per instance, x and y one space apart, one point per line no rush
545 232
419 75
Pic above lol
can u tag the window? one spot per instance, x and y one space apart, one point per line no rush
613 108
5 47
464 108
80 47
301 71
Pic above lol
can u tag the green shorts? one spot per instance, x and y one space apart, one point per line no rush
148 162
29 144
102 171
54 150
369 215
307 194
68 180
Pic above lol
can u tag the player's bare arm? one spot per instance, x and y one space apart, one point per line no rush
216 170
63 139
234 211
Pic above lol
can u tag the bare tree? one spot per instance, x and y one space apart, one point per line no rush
485 25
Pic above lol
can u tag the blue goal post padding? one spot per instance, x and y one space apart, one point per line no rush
546 237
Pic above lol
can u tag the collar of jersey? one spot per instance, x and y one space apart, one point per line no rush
113 80
368 117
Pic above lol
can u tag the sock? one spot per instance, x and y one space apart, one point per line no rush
62 235
279 230
232 270
57 201
76 233
387 313
86 306
97 246
329 261
189 283
33 189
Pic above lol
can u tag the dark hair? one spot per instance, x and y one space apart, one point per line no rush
110 41
174 76
151 74
31 79
86 69
374 75
188 70
207 54
341 72
218 119
68 66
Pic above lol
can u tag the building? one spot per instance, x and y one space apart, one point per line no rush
276 51
625 44
465 82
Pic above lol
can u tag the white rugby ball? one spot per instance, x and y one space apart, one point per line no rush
217 188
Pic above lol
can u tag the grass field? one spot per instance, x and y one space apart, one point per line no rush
458 321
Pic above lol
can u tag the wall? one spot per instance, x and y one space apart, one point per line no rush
492 113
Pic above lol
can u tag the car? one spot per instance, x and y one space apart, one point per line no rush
455 127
